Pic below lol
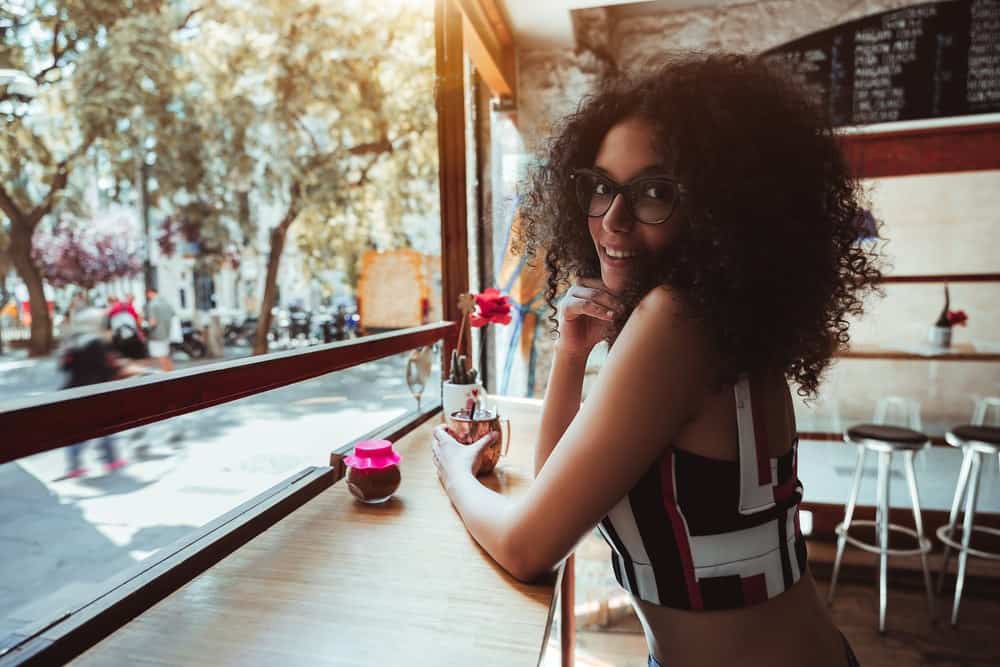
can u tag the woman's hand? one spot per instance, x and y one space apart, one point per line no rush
584 314
453 459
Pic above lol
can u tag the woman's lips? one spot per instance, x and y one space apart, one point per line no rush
618 262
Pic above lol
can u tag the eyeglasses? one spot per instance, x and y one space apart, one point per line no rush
651 199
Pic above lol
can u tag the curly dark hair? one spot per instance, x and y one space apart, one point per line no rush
768 254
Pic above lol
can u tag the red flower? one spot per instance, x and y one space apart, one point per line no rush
491 307
957 317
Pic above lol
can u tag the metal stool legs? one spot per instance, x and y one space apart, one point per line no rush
882 526
848 515
956 503
968 485
911 479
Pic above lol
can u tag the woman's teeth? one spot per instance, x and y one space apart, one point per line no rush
616 254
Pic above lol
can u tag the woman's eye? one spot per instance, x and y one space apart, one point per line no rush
655 192
601 188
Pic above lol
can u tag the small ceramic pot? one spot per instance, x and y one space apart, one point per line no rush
455 396
468 430
939 336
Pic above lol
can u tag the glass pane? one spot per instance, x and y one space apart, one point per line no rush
270 206
63 536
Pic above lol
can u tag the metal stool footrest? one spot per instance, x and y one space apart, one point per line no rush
924 544
942 534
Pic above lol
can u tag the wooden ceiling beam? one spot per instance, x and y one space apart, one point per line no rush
490 45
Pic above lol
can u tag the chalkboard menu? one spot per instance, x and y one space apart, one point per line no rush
924 61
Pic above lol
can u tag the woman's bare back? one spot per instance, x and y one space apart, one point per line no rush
793 628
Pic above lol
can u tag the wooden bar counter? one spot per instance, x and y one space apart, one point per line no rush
340 582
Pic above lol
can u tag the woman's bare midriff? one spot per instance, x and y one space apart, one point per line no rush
793 628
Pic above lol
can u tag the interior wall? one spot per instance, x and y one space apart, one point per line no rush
934 223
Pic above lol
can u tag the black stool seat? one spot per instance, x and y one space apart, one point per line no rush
985 439
901 438
989 434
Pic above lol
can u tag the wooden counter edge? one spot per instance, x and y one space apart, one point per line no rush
136 590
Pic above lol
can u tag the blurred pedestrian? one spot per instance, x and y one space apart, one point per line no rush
159 314
76 304
126 332
89 359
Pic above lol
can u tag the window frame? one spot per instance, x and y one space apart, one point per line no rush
63 418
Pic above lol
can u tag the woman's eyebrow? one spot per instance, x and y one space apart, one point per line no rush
657 169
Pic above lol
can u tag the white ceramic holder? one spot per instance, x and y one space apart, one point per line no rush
939 336
454 396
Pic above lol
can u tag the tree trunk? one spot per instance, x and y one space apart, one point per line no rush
41 323
278 235
3 298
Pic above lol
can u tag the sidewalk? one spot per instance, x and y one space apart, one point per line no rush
62 537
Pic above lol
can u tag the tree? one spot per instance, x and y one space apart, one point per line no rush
107 91
324 111
74 252
4 270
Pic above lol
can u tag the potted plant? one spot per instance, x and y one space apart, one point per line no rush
463 385
940 333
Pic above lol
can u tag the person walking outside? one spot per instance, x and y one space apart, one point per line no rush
90 359
159 313
126 329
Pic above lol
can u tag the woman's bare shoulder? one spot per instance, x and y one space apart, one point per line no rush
664 308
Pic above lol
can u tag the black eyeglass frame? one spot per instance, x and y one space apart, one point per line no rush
626 190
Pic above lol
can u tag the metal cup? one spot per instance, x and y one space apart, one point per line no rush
468 430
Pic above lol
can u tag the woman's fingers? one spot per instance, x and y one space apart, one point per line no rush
598 296
590 301
442 433
575 307
596 283
486 439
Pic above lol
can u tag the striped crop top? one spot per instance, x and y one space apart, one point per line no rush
701 533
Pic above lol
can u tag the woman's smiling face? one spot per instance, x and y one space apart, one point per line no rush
625 153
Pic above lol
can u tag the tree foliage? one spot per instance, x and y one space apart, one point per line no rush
87 253
248 116
324 112
108 94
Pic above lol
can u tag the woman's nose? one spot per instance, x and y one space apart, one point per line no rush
618 218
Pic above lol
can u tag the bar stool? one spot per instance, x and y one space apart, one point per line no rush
884 441
899 411
987 413
975 441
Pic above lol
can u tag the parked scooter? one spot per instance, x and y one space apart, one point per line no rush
340 324
280 326
193 343
298 323
243 333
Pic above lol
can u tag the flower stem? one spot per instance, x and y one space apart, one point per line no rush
461 330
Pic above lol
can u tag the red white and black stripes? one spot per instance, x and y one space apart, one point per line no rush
685 536
756 474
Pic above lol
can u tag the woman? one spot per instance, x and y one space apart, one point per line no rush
708 223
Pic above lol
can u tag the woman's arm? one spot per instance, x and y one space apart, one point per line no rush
654 381
561 403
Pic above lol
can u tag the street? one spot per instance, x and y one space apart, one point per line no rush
61 538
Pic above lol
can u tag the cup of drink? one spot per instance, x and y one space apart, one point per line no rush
468 428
